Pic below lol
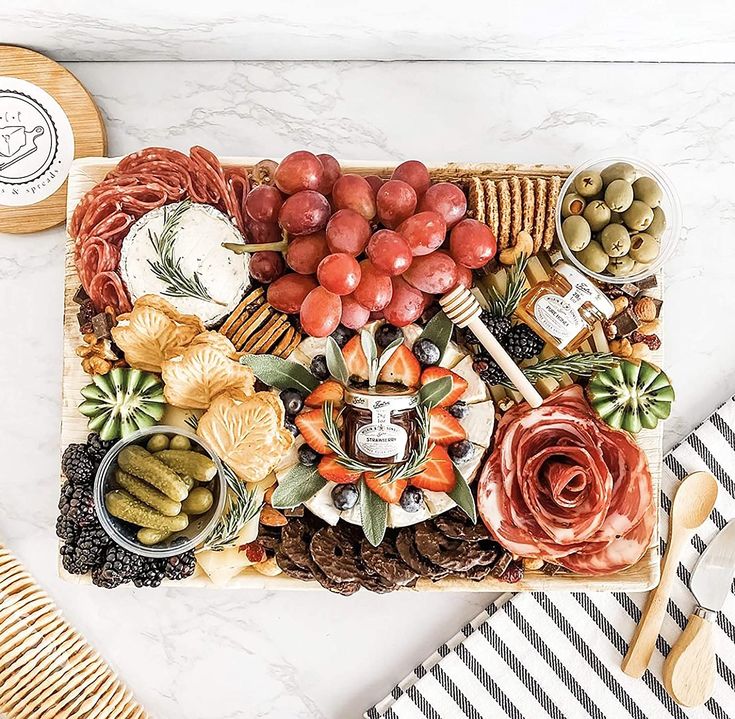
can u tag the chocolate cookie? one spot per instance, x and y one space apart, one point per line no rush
295 539
375 583
406 548
451 554
455 524
336 554
385 561
478 572
289 567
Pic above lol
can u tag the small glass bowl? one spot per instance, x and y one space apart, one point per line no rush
669 204
123 533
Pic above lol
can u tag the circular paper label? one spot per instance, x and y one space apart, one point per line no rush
36 143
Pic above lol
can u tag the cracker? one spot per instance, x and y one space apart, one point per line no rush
284 346
529 204
250 325
504 214
250 298
491 205
540 214
552 197
516 204
259 341
476 199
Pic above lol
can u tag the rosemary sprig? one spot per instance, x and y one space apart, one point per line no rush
167 267
582 364
504 305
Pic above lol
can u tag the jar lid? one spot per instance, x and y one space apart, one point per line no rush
397 398
594 294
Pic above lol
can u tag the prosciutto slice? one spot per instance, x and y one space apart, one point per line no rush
562 486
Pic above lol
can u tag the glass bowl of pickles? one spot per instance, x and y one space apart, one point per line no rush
160 491
618 219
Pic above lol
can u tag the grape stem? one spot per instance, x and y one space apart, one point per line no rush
240 249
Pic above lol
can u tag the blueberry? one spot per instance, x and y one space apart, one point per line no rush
344 496
291 427
319 367
386 334
427 352
308 457
461 451
292 400
459 409
412 499
342 335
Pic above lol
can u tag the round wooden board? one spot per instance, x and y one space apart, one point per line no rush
90 138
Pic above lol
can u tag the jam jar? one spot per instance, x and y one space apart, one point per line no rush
380 423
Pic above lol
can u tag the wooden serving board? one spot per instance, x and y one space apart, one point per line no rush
644 575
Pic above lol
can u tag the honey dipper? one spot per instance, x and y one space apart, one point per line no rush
463 309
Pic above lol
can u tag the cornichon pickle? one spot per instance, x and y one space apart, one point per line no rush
149 537
188 481
180 442
157 442
199 501
123 506
141 463
192 464
146 493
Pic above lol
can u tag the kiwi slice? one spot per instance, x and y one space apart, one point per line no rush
631 395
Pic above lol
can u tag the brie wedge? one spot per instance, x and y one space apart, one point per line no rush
479 422
476 389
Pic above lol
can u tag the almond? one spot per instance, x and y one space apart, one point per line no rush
272 517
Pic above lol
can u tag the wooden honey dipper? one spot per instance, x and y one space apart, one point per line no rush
463 309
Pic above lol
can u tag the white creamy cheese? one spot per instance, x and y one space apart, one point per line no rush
452 356
470 468
479 422
311 347
476 389
187 265
322 505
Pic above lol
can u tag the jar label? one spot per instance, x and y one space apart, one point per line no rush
381 440
559 317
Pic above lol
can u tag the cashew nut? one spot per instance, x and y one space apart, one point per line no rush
523 246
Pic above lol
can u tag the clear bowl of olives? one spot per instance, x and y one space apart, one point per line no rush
618 219
160 491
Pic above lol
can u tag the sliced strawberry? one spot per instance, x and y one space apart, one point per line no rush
333 471
459 384
385 488
443 428
438 473
355 358
402 367
329 391
311 424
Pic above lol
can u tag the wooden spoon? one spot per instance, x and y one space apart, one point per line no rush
693 502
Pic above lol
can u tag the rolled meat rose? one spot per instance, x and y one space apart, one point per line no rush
562 486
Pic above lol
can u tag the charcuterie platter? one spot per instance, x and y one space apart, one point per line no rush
272 378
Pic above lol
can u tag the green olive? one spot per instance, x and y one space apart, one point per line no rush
638 216
619 195
620 266
199 501
597 214
572 204
644 248
576 232
647 190
593 257
588 183
658 223
615 240
157 442
618 171
180 442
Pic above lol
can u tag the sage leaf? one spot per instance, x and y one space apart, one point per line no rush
435 391
462 495
388 352
300 484
439 331
336 362
281 373
371 355
373 514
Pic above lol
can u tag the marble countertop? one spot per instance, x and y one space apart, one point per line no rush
215 655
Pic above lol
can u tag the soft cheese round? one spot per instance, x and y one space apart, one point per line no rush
187 265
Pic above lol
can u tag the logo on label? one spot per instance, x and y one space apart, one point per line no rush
36 143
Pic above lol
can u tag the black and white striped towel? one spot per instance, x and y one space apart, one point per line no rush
533 655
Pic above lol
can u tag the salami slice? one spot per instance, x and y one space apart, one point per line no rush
106 290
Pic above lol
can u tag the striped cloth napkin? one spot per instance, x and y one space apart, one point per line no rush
558 655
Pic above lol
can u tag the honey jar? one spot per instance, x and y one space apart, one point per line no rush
564 309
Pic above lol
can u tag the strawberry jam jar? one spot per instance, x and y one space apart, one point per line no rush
381 424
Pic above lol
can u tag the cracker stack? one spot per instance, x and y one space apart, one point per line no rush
256 327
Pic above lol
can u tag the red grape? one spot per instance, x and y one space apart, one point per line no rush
376 316
298 171
262 232
446 199
263 203
339 273
354 193
389 252
266 266
375 290
406 304
415 174
320 312
287 293
464 277
354 315
424 232
332 171
304 253
396 200
305 212
435 273
472 244
375 182
348 231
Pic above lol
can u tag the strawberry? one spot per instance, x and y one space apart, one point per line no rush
311 424
402 367
459 384
333 471
438 473
329 391
443 428
355 358
386 489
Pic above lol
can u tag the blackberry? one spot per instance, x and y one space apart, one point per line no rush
76 504
181 566
386 334
522 343
77 465
499 326
488 369
119 567
87 551
151 573
66 529
97 448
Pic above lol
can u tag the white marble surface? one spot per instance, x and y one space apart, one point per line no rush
215 655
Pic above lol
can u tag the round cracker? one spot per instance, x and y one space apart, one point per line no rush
476 199
540 214
552 197
529 204
516 207
505 211
491 205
